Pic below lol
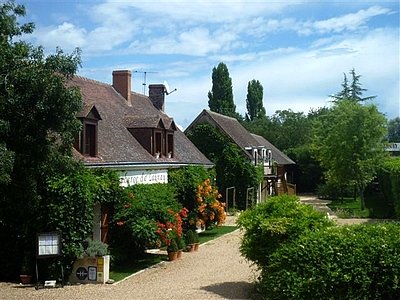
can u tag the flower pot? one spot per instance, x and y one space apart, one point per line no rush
179 254
172 256
190 248
25 279
196 246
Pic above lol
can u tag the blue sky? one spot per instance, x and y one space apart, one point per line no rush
298 50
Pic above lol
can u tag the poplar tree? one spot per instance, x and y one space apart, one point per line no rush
220 98
254 101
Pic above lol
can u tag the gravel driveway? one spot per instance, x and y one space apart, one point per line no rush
216 271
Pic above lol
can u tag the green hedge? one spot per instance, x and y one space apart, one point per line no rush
389 181
352 262
275 222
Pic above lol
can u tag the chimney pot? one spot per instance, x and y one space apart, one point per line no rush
122 80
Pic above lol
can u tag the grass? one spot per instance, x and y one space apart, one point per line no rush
375 205
119 272
122 271
348 208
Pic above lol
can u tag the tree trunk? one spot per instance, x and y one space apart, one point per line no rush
362 200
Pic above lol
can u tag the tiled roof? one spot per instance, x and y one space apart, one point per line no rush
239 134
115 143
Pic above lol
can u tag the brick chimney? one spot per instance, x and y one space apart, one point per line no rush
157 95
122 80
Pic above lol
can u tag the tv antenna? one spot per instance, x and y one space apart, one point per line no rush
144 79
167 89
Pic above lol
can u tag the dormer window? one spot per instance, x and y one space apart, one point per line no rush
155 134
86 140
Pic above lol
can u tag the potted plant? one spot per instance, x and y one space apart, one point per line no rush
181 246
172 250
190 240
26 270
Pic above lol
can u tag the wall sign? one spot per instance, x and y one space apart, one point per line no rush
144 177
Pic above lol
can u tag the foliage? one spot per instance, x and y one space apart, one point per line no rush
350 262
274 223
232 166
149 217
185 181
209 211
69 210
254 101
348 142
352 92
394 130
308 172
173 246
220 98
190 237
92 248
37 126
389 181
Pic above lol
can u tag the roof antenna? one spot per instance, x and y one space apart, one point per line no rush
167 89
144 79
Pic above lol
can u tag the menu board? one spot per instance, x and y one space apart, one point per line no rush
48 244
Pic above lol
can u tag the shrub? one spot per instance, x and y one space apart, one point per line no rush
389 181
351 262
91 248
146 219
275 222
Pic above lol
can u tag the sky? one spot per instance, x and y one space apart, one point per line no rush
298 50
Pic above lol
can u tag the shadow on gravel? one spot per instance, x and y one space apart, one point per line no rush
231 290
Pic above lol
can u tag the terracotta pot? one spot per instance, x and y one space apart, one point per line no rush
196 246
172 256
26 279
190 247
179 254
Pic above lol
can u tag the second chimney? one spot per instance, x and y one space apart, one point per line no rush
122 83
157 95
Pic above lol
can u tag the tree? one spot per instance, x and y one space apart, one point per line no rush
37 127
348 142
254 100
354 91
394 130
220 98
232 167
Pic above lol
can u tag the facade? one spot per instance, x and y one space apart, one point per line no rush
130 133
278 168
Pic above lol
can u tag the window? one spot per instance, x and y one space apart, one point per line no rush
89 140
170 145
86 141
158 147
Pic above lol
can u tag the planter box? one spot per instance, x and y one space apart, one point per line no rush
91 270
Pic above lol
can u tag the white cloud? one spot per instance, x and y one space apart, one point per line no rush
349 22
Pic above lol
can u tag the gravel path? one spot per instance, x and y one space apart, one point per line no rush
216 271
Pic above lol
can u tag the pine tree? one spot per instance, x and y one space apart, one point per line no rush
254 101
221 95
354 91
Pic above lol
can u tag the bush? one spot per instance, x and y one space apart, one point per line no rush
389 181
351 262
148 218
275 222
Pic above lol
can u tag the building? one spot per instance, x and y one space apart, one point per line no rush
278 168
130 133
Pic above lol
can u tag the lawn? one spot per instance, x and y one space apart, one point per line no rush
119 272
375 205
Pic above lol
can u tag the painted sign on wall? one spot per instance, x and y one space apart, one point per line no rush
144 177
